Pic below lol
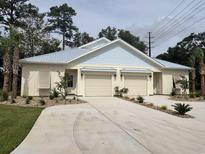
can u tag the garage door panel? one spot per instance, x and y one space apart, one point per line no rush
137 85
98 85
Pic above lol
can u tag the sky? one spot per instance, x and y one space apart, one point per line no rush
138 16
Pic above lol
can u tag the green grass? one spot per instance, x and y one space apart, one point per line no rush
15 124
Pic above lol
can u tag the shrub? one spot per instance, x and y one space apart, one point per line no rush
27 100
140 99
30 97
182 108
192 95
4 96
42 102
163 107
197 94
173 93
51 97
120 92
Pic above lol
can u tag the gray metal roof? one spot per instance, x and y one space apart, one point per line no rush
60 57
63 57
171 65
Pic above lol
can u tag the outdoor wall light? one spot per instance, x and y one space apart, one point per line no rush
115 75
81 75
150 76
121 75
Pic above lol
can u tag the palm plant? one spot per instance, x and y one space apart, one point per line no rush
182 109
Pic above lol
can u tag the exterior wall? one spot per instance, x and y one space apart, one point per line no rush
30 77
167 79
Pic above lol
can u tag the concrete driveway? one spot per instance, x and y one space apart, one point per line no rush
111 125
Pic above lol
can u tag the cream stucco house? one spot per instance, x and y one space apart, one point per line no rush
96 68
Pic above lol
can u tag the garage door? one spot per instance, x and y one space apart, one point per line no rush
137 85
98 85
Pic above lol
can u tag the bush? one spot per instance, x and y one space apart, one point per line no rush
163 107
51 97
182 108
27 100
30 97
4 96
53 94
42 102
120 92
192 95
140 99
197 94
173 93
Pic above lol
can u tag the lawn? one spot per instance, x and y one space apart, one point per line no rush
15 124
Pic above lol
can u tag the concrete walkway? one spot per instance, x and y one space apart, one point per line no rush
111 125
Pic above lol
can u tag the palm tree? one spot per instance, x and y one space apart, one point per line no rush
5 47
192 60
199 55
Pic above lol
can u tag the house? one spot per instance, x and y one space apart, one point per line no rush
96 68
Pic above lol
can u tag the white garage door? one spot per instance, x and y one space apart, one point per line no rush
137 85
98 85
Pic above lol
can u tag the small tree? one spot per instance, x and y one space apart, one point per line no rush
184 84
62 85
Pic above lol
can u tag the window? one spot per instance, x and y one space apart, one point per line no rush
70 80
44 80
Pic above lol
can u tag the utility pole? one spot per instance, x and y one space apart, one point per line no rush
149 43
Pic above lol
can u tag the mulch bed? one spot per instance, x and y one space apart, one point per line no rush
152 106
37 101
187 99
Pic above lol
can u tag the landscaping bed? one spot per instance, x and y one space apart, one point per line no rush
43 101
15 124
186 98
159 108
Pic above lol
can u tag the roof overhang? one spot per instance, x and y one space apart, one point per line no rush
137 70
98 69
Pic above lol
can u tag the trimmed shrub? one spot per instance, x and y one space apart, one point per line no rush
163 107
27 100
182 108
140 99
173 93
42 102
30 97
51 97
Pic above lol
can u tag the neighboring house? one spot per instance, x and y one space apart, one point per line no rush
96 68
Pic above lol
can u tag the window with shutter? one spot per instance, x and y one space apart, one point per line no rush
44 80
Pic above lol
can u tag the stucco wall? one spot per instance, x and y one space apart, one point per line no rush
167 79
30 77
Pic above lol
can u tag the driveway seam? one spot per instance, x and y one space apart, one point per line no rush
124 130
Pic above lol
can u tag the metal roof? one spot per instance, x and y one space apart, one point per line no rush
60 57
170 65
135 70
70 54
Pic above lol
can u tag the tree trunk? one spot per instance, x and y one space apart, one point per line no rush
6 70
202 73
193 84
202 85
15 67
63 41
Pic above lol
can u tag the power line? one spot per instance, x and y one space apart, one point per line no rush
157 26
182 20
190 25
164 26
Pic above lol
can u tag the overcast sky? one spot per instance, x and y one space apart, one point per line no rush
138 16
